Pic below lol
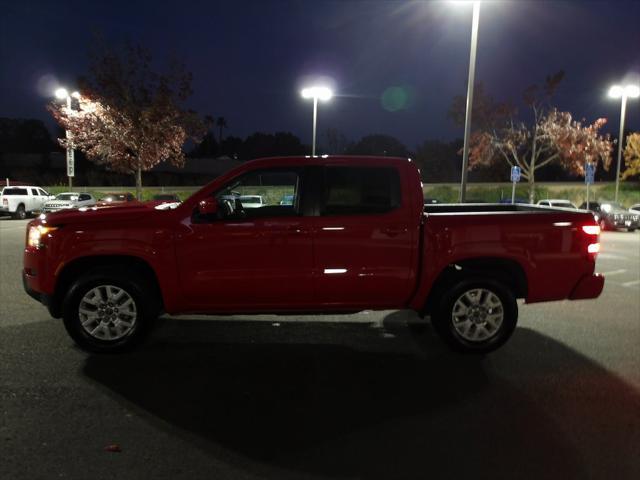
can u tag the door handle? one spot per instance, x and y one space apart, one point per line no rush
393 231
297 229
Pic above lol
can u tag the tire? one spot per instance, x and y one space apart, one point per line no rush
109 310
603 225
20 213
476 326
631 229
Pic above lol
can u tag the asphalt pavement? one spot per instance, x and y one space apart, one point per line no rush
358 396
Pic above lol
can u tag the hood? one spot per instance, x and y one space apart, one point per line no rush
121 212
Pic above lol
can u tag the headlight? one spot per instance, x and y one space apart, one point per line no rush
34 238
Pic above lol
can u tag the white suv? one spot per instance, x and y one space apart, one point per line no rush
20 201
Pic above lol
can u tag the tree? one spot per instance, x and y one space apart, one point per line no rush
24 136
221 123
379 144
129 117
632 156
335 142
439 161
551 137
208 147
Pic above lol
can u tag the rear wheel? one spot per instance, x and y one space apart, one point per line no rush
476 315
20 213
109 310
631 229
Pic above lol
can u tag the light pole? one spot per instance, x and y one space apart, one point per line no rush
316 93
467 118
62 94
622 92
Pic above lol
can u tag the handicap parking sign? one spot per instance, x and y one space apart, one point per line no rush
515 173
589 173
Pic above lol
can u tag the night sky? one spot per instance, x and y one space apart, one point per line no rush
250 59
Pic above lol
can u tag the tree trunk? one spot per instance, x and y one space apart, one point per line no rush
532 185
139 183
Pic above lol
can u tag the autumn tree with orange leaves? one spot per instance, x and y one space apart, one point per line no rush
632 155
551 136
129 117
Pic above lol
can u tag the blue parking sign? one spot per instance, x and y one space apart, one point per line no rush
515 174
589 173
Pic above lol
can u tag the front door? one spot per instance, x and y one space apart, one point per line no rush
254 256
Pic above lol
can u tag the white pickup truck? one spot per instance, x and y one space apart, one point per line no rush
20 201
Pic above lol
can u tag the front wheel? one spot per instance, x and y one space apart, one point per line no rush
109 310
476 315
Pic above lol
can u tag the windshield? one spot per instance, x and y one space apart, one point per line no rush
67 196
607 207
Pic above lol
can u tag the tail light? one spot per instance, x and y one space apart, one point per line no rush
593 231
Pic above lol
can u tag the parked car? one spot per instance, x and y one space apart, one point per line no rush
361 238
515 200
69 200
287 200
611 216
635 209
556 203
21 201
166 197
117 198
252 201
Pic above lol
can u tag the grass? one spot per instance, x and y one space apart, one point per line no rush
629 193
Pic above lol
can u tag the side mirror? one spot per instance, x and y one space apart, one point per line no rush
208 206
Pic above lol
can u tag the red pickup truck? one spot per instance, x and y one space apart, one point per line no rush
339 234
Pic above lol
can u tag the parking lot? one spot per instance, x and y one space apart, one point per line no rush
359 396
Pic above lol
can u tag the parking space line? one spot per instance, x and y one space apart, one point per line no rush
613 272
632 283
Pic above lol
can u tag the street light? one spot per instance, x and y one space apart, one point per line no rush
467 118
622 92
62 94
317 93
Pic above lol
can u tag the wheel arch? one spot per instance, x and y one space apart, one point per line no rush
71 271
504 270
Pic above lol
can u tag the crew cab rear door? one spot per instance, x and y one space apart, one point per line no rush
362 243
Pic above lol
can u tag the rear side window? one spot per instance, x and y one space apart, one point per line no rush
15 191
360 190
84 196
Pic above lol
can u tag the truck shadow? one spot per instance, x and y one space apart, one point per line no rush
285 400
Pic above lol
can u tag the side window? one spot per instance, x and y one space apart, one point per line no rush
83 197
360 190
34 192
43 193
260 194
544 204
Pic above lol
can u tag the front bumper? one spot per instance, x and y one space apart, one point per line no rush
589 286
43 298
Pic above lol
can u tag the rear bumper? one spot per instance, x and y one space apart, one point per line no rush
589 286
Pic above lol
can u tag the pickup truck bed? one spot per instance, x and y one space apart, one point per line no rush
353 234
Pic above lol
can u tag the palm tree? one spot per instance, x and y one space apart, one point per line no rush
221 123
